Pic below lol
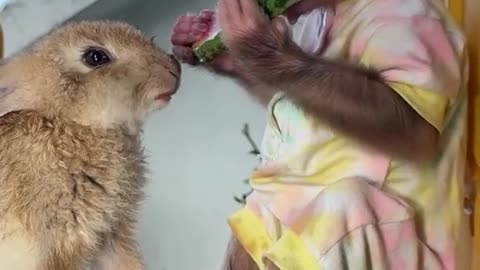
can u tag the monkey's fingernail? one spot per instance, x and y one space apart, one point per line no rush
197 19
198 34
200 27
206 15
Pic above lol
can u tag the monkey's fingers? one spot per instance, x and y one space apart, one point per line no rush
184 39
280 23
207 14
203 18
187 23
183 22
185 54
251 9
200 29
230 17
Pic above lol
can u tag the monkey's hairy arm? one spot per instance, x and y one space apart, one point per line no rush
351 99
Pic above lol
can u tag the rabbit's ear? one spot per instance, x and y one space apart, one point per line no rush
10 98
8 86
5 91
5 105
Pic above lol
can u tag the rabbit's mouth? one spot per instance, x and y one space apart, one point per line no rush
165 96
175 75
174 84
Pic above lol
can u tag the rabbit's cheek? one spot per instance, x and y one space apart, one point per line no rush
163 86
153 96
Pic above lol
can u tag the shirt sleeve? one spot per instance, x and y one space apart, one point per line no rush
417 58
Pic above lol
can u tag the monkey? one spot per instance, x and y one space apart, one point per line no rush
355 100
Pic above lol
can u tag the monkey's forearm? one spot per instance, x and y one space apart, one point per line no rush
225 67
263 93
351 99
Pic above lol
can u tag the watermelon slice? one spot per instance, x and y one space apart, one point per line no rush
211 44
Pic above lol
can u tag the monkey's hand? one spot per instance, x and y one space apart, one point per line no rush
249 35
187 30
251 38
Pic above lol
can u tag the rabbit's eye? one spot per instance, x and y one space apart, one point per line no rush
96 57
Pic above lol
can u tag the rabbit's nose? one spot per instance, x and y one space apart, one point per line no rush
176 65
173 59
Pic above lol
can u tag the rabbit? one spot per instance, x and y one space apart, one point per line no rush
72 167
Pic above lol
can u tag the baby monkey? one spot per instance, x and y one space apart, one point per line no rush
353 100
72 168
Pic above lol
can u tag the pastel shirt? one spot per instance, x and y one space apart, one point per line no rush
320 201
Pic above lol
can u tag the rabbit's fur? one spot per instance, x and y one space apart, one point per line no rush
71 160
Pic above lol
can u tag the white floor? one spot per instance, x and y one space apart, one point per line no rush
198 155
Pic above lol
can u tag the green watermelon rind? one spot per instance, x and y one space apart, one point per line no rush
210 47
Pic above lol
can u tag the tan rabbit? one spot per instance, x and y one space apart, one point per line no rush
71 160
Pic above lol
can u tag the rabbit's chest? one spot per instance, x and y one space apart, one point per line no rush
107 186
68 176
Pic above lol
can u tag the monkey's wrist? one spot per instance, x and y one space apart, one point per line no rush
223 64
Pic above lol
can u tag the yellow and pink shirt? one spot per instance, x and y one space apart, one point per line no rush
321 201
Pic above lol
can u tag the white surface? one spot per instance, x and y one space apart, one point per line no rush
26 20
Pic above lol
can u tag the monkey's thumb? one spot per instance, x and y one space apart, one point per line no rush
281 24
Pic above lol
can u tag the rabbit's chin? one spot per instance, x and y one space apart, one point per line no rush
160 102
164 97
